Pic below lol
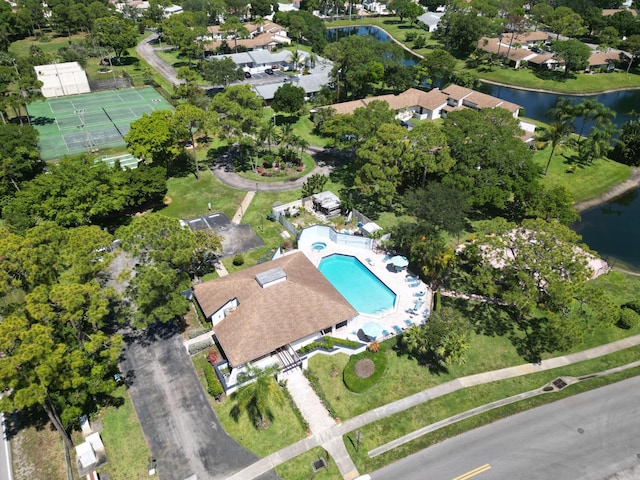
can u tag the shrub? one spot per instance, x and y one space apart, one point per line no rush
633 305
410 37
196 332
271 217
238 260
373 347
315 384
214 387
213 357
629 318
199 346
357 384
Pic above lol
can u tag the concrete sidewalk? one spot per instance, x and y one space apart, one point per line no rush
329 435
244 205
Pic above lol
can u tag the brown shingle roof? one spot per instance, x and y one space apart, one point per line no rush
600 58
409 98
606 12
269 318
481 100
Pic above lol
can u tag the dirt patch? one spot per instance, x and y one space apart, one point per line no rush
364 368
168 200
37 454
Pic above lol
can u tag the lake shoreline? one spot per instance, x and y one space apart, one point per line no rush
558 92
615 191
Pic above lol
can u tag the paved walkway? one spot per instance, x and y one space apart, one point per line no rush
242 209
335 433
319 420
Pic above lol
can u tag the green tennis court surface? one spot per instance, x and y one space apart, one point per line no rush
89 122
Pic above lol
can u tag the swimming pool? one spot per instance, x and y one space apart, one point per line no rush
362 289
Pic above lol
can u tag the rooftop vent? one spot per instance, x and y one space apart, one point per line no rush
271 277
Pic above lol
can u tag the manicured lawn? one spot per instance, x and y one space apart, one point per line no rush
124 441
586 181
301 124
285 428
620 286
404 376
387 429
189 197
579 84
299 468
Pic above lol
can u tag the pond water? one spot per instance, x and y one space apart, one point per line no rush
335 34
613 230
536 104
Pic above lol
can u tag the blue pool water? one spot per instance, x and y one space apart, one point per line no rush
362 289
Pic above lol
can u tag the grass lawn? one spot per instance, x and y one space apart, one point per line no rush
387 429
285 428
577 84
404 376
301 124
124 441
37 453
307 161
189 197
586 181
299 468
620 286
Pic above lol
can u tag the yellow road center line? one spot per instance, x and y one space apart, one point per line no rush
474 472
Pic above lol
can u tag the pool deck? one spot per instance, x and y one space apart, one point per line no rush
396 281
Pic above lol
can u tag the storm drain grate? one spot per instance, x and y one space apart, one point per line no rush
559 383
318 464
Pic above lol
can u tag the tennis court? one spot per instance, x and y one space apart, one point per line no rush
89 122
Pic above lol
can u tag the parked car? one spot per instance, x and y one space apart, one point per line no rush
268 71
247 74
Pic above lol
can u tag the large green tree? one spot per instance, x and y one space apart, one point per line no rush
169 256
155 137
221 72
56 352
19 157
78 191
115 33
574 53
288 98
492 165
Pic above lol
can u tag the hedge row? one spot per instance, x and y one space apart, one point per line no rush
294 407
357 384
199 346
315 384
327 343
196 332
214 387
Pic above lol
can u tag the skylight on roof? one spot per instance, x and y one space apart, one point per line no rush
271 277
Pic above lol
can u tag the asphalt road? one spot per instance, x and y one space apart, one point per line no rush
183 432
594 435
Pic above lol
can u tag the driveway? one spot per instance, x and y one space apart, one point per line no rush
181 428
146 51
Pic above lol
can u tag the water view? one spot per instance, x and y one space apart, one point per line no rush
536 104
612 229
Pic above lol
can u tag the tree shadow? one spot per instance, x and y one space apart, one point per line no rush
553 75
428 359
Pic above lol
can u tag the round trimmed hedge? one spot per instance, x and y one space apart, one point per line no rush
357 384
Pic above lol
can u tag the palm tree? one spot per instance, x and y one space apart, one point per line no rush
584 110
562 127
599 142
268 133
296 58
258 397
301 143
558 133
